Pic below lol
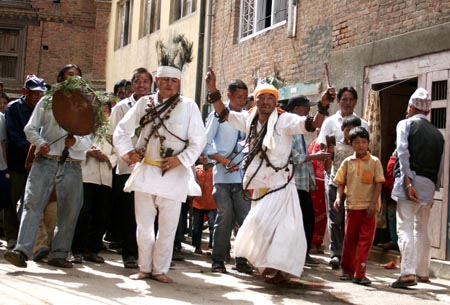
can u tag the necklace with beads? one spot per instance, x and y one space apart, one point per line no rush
157 115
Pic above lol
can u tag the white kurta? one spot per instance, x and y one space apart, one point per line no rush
185 121
272 235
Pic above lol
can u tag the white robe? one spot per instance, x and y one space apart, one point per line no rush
272 235
185 121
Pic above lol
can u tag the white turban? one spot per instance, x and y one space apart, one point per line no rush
420 100
168 71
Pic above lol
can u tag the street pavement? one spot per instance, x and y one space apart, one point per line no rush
108 283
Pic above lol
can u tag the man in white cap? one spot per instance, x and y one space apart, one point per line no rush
417 173
171 139
269 238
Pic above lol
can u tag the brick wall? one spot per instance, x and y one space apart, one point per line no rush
75 31
323 27
361 22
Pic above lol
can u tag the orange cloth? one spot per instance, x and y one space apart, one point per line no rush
205 180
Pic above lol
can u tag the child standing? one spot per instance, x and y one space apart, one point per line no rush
336 218
362 176
203 205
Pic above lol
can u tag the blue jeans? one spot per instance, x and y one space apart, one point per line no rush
231 209
67 180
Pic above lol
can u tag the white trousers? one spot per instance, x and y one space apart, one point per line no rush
155 254
413 239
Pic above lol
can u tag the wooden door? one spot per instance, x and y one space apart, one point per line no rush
437 84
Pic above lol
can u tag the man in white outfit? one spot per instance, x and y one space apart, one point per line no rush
269 237
172 137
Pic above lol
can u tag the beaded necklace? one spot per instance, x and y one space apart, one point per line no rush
156 115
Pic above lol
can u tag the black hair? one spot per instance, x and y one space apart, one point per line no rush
236 84
359 132
120 83
60 77
351 120
140 71
347 89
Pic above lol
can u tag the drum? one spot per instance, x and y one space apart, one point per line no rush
74 111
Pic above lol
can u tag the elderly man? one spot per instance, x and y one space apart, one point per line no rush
417 173
172 138
269 237
332 126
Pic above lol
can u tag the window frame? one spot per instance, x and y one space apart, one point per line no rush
124 23
179 9
151 17
254 9
20 54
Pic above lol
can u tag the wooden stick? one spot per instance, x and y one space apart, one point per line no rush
327 75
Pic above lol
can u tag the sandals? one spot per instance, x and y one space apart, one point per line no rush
399 283
59 262
423 279
244 268
362 281
345 277
76 259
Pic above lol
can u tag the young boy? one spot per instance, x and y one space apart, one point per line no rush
362 176
340 151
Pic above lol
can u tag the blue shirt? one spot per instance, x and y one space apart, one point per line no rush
224 139
304 172
17 115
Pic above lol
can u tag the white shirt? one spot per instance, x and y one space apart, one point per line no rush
117 113
43 128
97 172
287 125
333 126
185 122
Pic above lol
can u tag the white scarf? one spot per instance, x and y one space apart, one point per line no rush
268 141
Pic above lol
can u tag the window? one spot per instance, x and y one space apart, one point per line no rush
257 15
151 17
124 23
9 53
182 8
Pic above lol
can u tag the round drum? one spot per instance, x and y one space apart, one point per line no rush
74 112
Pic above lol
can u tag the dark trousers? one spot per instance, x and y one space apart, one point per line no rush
127 222
308 215
91 222
199 216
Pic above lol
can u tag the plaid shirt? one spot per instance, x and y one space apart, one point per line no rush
304 172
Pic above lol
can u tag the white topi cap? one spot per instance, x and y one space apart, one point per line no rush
168 71
420 100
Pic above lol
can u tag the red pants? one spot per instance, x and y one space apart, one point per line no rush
359 235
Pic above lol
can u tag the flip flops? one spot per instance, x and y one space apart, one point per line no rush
403 284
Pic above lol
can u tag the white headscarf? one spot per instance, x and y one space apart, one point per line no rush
268 141
168 71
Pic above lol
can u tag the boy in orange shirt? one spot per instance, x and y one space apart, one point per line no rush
362 176
204 204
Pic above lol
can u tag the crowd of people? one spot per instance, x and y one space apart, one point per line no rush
249 169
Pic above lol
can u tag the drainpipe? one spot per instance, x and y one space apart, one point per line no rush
206 63
201 35
292 19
